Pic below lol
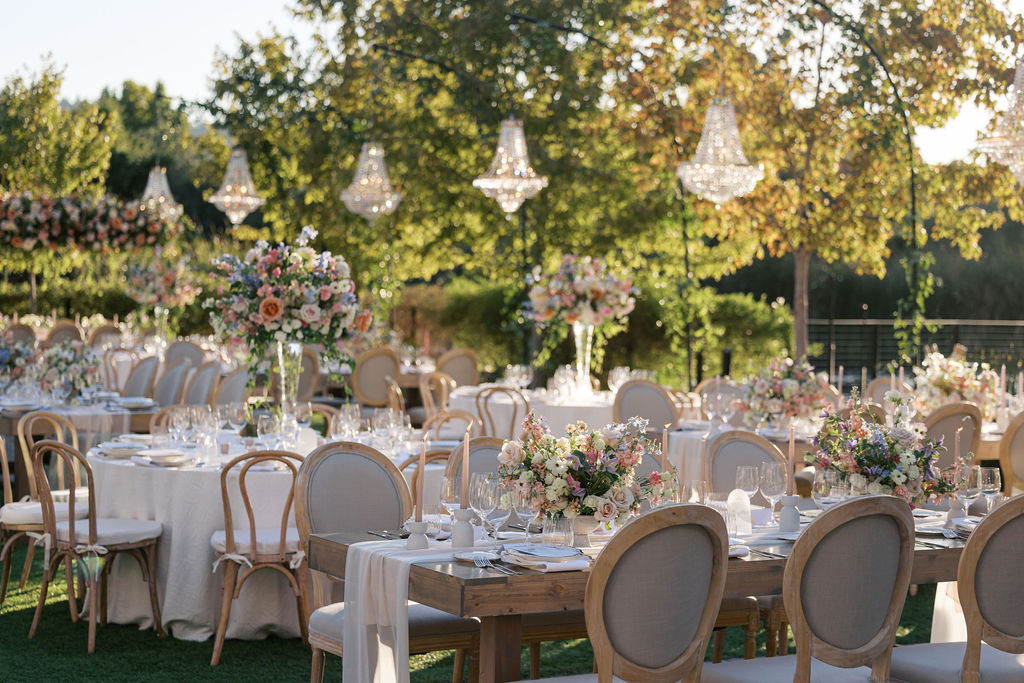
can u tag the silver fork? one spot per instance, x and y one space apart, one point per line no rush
482 562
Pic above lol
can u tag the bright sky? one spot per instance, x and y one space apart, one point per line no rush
105 42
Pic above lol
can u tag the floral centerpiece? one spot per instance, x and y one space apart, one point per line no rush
585 473
879 459
285 296
941 380
68 365
584 293
786 389
162 283
16 360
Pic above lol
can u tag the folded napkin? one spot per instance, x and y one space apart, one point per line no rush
738 551
542 566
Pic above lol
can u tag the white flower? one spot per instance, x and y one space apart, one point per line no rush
606 511
511 453
874 488
622 497
310 313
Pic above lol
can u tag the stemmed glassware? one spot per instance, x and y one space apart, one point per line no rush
523 499
991 483
451 489
773 483
968 486
266 431
303 414
486 500
748 478
237 416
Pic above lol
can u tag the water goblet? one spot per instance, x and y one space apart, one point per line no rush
266 431
968 486
524 503
773 483
237 416
748 478
991 483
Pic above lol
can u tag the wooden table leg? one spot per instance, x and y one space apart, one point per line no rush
499 648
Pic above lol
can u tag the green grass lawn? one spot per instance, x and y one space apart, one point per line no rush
124 653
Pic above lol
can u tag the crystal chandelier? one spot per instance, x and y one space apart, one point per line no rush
236 196
371 195
510 180
719 170
157 195
1006 144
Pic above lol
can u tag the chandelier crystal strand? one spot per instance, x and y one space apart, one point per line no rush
157 195
371 195
1006 144
237 197
511 180
719 170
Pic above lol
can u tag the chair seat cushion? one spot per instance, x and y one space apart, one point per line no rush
329 622
780 670
62 495
770 601
113 531
31 512
940 662
578 678
268 541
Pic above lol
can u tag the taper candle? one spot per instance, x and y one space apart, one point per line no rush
956 447
839 398
1002 385
863 384
664 443
792 459
420 476
901 379
464 498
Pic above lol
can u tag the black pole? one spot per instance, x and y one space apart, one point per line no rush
528 327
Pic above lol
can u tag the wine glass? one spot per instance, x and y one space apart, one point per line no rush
968 486
748 478
773 483
237 416
991 482
522 499
711 408
825 488
726 408
266 431
451 488
694 491
482 496
303 414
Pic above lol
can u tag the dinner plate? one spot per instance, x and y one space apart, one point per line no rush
468 555
543 552
929 529
788 535
769 433
176 461
20 406
120 449
156 454
136 438
133 402
924 513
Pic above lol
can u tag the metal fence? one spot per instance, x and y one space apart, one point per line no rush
871 343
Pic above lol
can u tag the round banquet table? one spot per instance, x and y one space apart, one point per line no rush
188 502
557 412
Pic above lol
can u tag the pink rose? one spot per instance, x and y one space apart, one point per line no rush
511 453
606 511
310 313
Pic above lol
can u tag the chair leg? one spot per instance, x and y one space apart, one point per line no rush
5 578
302 575
459 665
43 589
69 577
719 645
154 598
534 661
27 569
316 671
94 600
227 593
474 662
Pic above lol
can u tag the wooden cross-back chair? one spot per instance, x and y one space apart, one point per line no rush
257 548
38 423
847 623
438 427
112 359
396 401
98 538
516 401
351 487
434 390
989 586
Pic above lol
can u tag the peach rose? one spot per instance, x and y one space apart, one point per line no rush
271 309
606 511
511 453
362 321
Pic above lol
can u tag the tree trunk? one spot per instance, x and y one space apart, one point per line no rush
801 260
32 293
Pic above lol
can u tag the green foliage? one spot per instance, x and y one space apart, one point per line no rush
476 314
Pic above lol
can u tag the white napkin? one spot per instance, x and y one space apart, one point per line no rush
542 566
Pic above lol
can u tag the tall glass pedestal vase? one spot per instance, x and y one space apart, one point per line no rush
289 369
162 330
583 335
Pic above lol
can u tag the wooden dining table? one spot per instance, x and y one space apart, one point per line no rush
500 601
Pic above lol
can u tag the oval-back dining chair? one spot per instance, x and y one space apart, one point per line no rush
20 333
372 367
1011 456
845 583
945 421
168 388
103 335
63 331
483 456
648 624
117 366
729 450
183 350
140 378
990 589
461 365
350 487
202 385
646 399
232 388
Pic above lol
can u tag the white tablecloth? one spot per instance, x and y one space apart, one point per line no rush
594 409
188 503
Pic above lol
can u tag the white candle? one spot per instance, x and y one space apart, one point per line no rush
901 379
421 475
464 498
863 383
792 459
664 443
1002 385
892 382
704 458
956 448
839 398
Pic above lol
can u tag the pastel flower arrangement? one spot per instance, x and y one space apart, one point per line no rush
583 290
586 472
107 224
879 459
71 364
784 388
284 293
16 360
162 283
941 380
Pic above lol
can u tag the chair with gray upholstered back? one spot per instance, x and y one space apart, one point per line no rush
1011 456
646 399
991 590
140 378
461 365
20 333
729 450
844 585
368 377
63 331
483 456
202 386
350 487
168 388
649 624
183 350
944 422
